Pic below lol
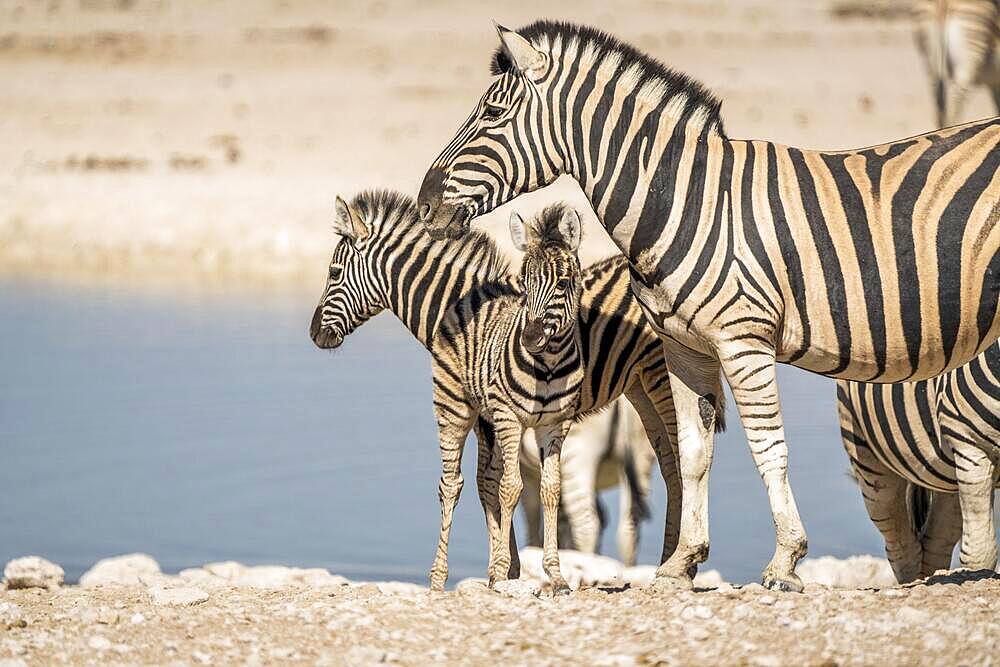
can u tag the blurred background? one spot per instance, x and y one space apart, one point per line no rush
167 178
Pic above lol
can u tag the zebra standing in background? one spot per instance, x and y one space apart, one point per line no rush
518 361
958 41
607 450
878 265
942 435
385 261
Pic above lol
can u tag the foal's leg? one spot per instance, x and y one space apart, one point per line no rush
509 432
550 440
454 424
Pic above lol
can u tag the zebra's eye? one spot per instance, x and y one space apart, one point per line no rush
336 272
492 112
562 283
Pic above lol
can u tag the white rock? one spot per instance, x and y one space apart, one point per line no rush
854 572
32 572
178 597
99 643
708 579
402 588
10 614
697 611
120 571
578 568
137 619
519 588
270 576
472 586
639 576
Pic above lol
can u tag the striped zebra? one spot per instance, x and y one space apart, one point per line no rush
879 264
941 435
606 450
385 261
958 42
517 360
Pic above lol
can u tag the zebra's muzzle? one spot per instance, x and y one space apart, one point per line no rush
325 338
535 336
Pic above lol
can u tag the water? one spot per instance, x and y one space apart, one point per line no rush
204 428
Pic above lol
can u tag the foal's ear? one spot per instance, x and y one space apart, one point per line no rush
348 223
518 231
570 228
522 53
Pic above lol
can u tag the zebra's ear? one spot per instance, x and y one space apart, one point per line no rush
571 228
518 231
348 223
520 51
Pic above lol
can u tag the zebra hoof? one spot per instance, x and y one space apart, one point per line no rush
790 583
665 583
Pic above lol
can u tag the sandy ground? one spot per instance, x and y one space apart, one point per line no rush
948 621
179 142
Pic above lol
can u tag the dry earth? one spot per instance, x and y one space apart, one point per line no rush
226 613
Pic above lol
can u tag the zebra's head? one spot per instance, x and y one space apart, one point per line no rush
506 147
354 292
550 274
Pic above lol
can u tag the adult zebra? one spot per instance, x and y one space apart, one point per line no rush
936 435
878 264
958 41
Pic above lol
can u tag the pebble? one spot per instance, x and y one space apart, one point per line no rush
767 600
32 572
99 643
120 571
893 593
178 597
10 615
698 633
137 619
518 588
697 611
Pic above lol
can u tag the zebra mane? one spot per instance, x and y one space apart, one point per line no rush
546 225
651 72
387 210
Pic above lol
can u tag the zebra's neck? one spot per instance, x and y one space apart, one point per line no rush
423 278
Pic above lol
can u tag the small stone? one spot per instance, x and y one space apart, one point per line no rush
137 619
99 643
120 571
107 616
893 593
518 588
697 611
767 600
178 597
10 616
201 657
32 572
472 586
401 588
766 661
708 579
697 633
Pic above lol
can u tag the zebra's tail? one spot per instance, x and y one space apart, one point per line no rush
918 500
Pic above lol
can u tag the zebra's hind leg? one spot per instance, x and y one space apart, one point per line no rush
579 460
454 425
883 491
753 379
550 439
508 433
531 476
940 533
694 383
975 494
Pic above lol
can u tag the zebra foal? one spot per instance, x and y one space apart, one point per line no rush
384 260
879 264
941 435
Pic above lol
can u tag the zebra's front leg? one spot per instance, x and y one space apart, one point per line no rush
490 493
550 439
694 381
752 375
508 433
975 495
453 428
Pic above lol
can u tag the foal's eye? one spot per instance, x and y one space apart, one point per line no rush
336 272
562 283
492 112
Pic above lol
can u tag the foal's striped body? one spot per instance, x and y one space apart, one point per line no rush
878 264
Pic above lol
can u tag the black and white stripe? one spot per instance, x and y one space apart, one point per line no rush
385 261
879 264
942 435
